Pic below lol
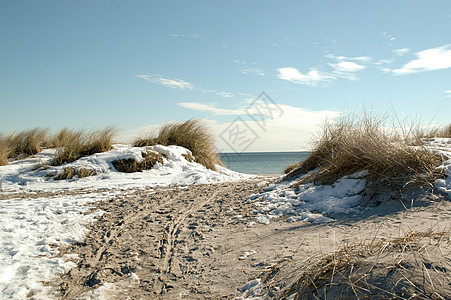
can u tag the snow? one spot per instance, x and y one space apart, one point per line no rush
309 202
320 203
32 228
25 176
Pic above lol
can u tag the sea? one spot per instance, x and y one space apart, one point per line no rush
261 163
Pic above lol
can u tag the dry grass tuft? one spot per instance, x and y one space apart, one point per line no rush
192 135
5 151
397 269
27 142
362 143
70 173
76 144
444 132
130 165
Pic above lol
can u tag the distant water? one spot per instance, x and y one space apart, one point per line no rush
261 162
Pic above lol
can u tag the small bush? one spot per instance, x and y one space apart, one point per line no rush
356 144
27 142
70 173
76 144
130 165
192 135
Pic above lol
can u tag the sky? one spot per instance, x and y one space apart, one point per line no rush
263 75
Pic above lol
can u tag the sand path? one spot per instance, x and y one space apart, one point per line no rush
199 242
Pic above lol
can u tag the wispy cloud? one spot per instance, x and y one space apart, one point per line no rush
255 71
428 60
174 83
348 66
401 51
384 61
190 35
211 108
448 94
388 36
361 59
312 78
290 131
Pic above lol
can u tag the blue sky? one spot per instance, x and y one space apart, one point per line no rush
138 64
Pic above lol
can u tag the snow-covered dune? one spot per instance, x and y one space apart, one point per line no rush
32 228
27 176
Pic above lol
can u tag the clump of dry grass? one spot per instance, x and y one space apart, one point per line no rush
130 165
5 151
192 135
28 142
70 173
401 268
444 132
76 144
363 143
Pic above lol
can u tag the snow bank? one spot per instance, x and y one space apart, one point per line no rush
309 202
25 176
30 232
319 203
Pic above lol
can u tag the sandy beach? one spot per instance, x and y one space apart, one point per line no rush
200 242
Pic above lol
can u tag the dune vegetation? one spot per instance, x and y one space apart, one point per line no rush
192 135
359 143
76 144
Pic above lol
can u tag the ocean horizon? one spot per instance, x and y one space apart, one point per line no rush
262 163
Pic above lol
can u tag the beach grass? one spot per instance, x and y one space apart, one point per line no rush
28 142
74 144
5 150
191 134
443 132
399 268
358 143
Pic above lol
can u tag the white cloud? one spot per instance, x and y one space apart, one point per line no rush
401 51
384 61
428 60
169 82
347 66
385 70
448 94
362 59
291 131
312 78
388 36
190 35
255 71
225 94
211 108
